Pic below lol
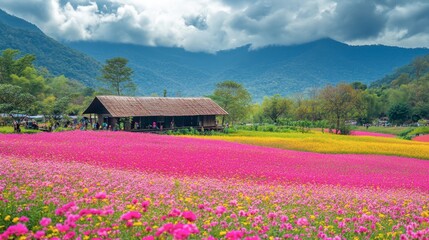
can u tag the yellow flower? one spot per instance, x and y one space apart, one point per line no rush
15 220
425 214
138 224
222 233
7 218
85 190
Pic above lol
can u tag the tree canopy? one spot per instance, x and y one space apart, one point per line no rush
25 89
117 75
234 98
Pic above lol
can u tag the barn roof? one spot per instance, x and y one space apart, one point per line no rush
122 106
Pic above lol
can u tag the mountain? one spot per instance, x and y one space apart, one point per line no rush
264 72
406 73
59 59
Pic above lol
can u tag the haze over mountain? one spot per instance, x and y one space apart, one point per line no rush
264 72
59 59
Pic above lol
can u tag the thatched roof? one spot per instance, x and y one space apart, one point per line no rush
121 106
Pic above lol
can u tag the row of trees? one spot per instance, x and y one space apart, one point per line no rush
335 105
25 89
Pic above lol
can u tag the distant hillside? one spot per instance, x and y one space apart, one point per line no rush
266 71
59 59
408 70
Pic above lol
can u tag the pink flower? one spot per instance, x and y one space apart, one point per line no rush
62 228
45 222
362 229
148 238
69 235
39 234
252 238
234 235
18 229
220 210
302 222
23 219
174 213
131 215
190 216
101 195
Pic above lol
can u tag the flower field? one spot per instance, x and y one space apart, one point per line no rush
99 185
423 138
317 141
371 134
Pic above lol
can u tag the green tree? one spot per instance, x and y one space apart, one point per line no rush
340 103
234 98
358 86
275 107
14 100
10 64
117 75
420 65
399 113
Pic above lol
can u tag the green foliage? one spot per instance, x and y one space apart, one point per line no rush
234 98
58 58
399 113
10 64
9 129
117 75
30 91
341 103
276 107
14 100
192 131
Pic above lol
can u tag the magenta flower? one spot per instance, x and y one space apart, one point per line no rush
190 216
302 221
39 234
18 230
148 238
220 210
24 219
131 215
234 235
174 213
44 222
101 195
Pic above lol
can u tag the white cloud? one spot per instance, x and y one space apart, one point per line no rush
212 25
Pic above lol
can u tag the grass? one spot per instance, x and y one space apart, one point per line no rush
9 129
330 143
386 130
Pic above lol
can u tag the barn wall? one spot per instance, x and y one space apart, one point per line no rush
209 121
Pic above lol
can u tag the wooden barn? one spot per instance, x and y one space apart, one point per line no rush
155 113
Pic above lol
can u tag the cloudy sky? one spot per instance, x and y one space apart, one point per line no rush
212 25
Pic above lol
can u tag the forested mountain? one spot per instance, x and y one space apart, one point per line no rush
59 59
265 72
405 74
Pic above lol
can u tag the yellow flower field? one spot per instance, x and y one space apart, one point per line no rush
330 143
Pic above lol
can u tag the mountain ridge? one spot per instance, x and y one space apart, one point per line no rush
58 58
264 71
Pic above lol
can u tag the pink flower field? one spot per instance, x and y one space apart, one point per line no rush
422 138
117 185
371 134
